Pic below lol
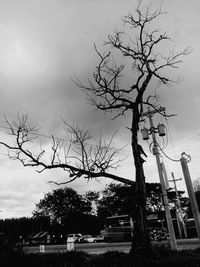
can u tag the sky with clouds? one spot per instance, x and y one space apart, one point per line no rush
44 43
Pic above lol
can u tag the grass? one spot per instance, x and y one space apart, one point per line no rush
162 258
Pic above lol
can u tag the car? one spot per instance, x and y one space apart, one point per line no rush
74 238
99 239
87 239
158 235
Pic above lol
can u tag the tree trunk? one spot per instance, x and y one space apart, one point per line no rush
141 242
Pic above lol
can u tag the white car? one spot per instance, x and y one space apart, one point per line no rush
99 239
74 238
87 239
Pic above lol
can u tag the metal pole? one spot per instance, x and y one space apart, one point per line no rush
192 198
162 182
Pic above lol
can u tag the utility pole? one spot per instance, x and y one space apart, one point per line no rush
150 114
195 211
178 203
165 176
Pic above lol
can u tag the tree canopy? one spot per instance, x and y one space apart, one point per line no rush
118 199
61 203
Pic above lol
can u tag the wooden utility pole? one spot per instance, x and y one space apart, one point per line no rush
150 114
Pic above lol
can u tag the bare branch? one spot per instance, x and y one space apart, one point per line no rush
88 159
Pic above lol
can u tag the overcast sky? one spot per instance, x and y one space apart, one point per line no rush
46 42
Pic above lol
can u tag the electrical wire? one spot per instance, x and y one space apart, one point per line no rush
187 140
175 160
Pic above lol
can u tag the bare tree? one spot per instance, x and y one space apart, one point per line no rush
106 91
80 157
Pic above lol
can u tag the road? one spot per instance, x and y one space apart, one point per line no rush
96 248
92 248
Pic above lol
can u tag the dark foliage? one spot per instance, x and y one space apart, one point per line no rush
116 199
160 257
120 199
60 203
16 227
82 223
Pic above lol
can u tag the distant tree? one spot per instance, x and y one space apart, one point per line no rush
61 203
173 198
92 197
153 197
116 199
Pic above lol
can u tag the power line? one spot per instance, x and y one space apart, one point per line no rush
188 139
127 150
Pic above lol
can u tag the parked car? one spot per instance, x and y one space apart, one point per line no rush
87 239
74 238
158 235
99 239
